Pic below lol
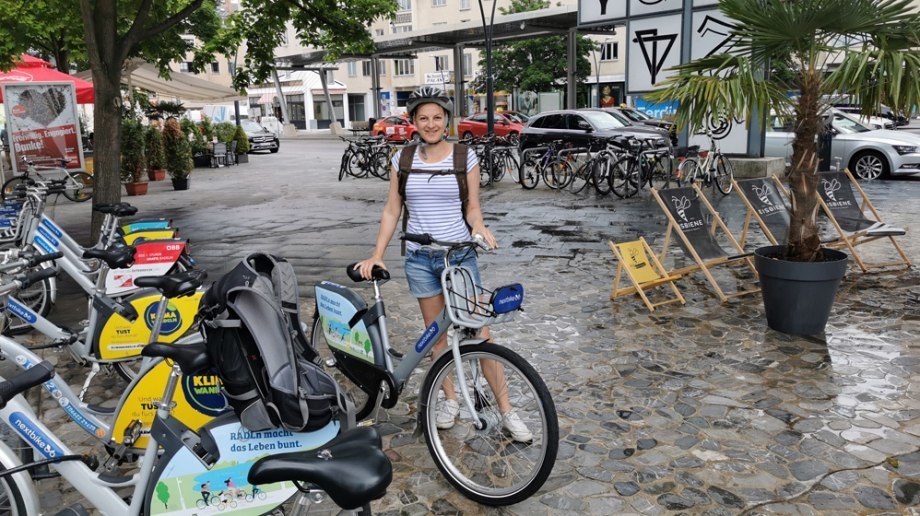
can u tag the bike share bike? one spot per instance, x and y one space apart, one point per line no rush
475 456
179 460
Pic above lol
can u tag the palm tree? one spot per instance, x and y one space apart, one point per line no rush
869 49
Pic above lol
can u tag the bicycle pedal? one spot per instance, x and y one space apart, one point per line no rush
76 509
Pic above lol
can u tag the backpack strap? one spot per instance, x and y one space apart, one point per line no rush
460 155
405 166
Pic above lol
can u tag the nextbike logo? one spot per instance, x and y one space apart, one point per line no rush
172 319
427 337
54 229
22 312
45 246
34 436
203 394
45 233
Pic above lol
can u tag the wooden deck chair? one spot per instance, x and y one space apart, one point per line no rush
765 205
696 235
644 271
848 216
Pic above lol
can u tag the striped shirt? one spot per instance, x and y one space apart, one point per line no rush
434 200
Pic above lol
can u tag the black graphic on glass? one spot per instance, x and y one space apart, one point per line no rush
603 7
654 56
720 125
650 2
720 28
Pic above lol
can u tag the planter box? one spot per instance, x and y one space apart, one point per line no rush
180 184
136 188
242 158
202 160
156 174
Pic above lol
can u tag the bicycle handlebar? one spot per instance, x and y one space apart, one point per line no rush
426 239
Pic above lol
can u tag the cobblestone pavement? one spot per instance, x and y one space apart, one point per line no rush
695 409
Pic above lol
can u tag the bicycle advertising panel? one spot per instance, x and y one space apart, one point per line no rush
186 486
153 258
43 123
337 306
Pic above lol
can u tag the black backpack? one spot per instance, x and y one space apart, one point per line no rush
250 321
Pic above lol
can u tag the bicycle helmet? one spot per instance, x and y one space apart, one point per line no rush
426 94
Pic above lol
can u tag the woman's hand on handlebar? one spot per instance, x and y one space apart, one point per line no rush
366 266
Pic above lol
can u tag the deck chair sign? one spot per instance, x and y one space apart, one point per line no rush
849 217
696 235
766 206
644 271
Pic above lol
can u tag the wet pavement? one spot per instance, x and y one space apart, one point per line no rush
694 409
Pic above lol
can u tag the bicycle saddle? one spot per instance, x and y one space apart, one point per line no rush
174 285
378 273
191 358
117 209
120 258
351 469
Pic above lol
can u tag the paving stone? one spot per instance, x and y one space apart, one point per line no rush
874 498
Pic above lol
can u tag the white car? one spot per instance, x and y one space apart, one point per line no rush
868 153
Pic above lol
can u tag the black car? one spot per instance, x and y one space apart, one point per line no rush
259 137
579 127
638 117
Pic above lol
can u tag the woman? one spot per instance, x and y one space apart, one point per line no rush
436 208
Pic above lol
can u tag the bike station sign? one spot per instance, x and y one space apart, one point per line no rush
43 123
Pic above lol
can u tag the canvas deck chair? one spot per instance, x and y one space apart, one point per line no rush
765 205
684 208
644 270
849 217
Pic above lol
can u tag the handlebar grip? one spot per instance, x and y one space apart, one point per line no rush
424 239
35 375
35 277
42 258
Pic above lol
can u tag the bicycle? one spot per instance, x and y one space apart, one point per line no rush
362 157
496 158
715 168
553 166
474 455
641 163
78 185
593 171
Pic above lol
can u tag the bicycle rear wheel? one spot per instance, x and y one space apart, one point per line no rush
85 187
724 174
602 164
380 165
343 167
558 174
662 172
486 465
530 173
624 177
357 164
580 178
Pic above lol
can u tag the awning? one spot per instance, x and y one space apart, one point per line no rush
267 98
180 85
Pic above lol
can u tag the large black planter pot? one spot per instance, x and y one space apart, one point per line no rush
180 184
798 296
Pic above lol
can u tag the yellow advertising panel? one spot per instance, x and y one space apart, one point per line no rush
198 400
159 234
121 338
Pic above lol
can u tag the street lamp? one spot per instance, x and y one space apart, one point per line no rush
490 94
597 68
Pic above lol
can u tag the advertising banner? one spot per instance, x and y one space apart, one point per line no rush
43 123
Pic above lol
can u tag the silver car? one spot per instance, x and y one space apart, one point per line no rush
868 153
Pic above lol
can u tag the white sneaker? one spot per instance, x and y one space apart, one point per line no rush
514 426
447 414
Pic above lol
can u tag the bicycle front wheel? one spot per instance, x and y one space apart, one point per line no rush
558 174
580 178
380 165
662 172
724 174
82 188
486 465
10 186
624 177
530 173
603 163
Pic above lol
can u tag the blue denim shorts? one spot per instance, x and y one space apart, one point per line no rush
424 268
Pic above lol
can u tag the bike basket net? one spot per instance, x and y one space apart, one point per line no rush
464 299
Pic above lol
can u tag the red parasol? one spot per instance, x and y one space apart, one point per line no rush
33 69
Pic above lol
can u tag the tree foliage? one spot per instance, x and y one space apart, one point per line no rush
45 26
178 153
873 45
535 64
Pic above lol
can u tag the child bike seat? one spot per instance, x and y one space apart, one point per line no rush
378 273
174 285
351 469
191 358
121 258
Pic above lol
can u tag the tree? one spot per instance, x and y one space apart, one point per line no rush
46 26
873 43
163 493
534 64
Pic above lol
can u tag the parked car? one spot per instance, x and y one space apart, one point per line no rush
868 153
259 137
579 126
395 128
848 105
477 125
517 116
638 117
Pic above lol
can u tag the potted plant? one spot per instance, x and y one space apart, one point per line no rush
196 139
178 154
865 48
156 158
242 145
133 157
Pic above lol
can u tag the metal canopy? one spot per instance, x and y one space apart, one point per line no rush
470 34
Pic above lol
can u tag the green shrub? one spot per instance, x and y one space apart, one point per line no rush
207 128
133 157
156 158
225 132
178 152
242 141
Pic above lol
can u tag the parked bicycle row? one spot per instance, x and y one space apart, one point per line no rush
152 321
368 156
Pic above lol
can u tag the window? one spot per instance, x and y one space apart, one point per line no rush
183 66
404 66
401 28
464 5
353 68
577 123
440 63
404 5
438 3
382 67
551 122
215 67
366 68
610 51
378 32
467 65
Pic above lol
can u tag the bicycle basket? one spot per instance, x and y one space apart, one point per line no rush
464 306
